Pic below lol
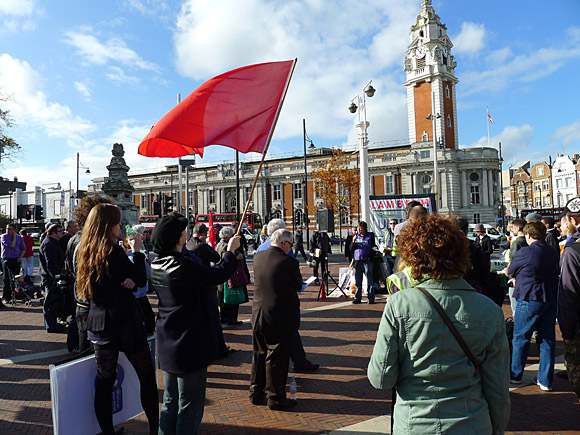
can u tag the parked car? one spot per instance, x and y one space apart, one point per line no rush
335 240
498 239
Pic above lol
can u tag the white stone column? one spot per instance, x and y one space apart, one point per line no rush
483 194
464 197
490 187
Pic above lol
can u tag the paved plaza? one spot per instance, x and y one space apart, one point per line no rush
338 397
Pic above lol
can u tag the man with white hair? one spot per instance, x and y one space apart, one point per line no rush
275 318
297 353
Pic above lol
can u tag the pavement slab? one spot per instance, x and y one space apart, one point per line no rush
336 399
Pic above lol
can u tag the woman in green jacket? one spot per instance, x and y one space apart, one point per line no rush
438 389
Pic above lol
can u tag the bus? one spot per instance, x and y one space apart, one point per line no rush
148 221
545 212
253 221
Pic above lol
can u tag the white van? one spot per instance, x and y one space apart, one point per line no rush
496 237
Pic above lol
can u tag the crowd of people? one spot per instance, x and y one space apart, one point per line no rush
441 344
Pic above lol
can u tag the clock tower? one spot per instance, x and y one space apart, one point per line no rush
431 80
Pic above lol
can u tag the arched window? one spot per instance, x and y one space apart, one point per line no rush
425 137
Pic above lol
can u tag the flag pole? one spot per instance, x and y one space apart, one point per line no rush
487 117
266 148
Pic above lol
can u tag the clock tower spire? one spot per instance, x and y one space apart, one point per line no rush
431 80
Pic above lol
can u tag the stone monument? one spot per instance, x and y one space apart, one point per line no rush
117 186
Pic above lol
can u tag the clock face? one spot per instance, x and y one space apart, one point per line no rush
420 52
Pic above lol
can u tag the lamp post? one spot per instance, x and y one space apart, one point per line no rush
311 147
362 126
80 165
10 192
433 116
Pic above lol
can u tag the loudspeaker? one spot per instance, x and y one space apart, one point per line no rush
325 218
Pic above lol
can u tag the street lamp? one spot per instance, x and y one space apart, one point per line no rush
362 126
433 116
80 165
311 147
10 192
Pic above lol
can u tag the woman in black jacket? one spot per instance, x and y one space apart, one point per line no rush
106 276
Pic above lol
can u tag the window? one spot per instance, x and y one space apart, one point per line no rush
522 203
474 176
426 190
144 202
277 192
297 191
569 181
425 154
57 207
546 201
558 183
447 93
538 202
425 137
247 190
344 218
545 185
476 218
475 194
211 195
389 184
540 170
449 121
520 187
537 187
190 198
569 196
426 179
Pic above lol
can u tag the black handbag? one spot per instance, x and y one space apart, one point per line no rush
59 301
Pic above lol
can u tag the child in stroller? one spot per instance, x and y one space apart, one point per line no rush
24 290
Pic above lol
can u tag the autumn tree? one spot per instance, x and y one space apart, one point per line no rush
336 183
8 146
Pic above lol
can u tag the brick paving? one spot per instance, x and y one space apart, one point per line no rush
339 336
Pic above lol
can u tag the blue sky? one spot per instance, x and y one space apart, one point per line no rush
84 75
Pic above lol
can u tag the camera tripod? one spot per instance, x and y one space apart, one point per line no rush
326 276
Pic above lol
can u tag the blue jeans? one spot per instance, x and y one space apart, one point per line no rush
183 402
367 269
530 316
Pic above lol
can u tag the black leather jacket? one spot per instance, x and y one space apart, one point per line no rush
186 331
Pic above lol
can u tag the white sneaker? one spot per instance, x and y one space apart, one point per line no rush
543 387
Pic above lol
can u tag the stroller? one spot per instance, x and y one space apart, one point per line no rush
23 290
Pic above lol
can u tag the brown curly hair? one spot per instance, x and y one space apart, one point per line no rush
435 247
86 205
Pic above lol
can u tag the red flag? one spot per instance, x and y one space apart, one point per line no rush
489 117
236 109
211 230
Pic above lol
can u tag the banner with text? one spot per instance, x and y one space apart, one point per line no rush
386 207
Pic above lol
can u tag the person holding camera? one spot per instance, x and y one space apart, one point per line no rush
51 258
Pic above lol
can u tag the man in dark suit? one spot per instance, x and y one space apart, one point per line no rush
275 318
552 235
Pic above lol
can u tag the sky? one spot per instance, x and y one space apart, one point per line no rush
78 77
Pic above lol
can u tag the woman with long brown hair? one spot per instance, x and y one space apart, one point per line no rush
445 383
106 276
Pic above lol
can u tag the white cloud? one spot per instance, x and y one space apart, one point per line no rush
568 133
31 105
95 52
514 140
498 57
16 7
116 74
148 7
337 54
84 88
471 40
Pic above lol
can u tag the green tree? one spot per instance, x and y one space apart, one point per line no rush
8 146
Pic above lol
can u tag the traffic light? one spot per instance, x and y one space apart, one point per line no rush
28 214
156 208
168 203
38 213
20 211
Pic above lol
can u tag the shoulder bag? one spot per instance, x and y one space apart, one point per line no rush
452 328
